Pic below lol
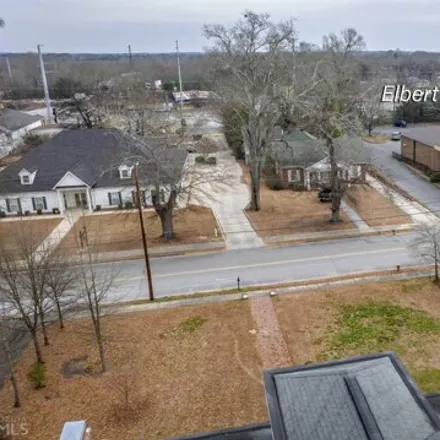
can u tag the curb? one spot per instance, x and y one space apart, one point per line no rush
358 278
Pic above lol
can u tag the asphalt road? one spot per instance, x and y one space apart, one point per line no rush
189 274
419 188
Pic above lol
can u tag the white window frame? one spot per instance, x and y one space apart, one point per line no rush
39 203
25 179
15 201
292 173
117 201
125 173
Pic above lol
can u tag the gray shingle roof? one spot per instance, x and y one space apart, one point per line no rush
297 149
426 135
93 155
365 398
12 120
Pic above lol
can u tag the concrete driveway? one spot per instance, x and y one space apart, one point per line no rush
419 188
227 197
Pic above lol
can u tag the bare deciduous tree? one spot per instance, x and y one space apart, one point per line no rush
427 244
94 284
331 110
249 58
11 338
23 272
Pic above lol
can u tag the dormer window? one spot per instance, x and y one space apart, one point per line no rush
26 177
125 172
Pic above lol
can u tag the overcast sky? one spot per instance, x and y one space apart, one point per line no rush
153 26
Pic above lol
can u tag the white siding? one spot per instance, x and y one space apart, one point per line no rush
26 201
100 195
70 179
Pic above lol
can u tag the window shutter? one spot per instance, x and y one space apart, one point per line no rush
110 198
45 203
8 206
144 197
120 198
133 196
33 204
19 205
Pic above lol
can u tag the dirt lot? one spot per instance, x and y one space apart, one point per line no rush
183 370
121 231
374 208
400 316
289 212
12 231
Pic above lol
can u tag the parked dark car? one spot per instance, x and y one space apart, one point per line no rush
400 123
325 195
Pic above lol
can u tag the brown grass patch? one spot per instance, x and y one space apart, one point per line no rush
376 139
289 212
12 231
121 231
374 208
307 320
171 372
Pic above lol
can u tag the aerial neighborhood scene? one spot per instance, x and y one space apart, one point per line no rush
219 221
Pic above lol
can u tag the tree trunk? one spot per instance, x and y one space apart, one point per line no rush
436 270
60 313
37 348
100 349
255 188
43 325
166 219
336 199
370 129
17 402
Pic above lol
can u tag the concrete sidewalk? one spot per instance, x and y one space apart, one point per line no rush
417 212
56 236
336 235
160 251
360 224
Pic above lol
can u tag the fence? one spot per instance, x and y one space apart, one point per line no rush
413 163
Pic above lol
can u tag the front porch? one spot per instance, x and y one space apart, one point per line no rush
74 198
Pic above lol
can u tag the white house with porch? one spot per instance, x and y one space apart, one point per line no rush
81 169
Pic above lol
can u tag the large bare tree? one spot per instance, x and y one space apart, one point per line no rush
427 244
249 59
331 110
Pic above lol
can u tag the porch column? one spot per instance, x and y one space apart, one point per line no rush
89 200
60 202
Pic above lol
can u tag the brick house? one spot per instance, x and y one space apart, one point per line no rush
302 159
422 146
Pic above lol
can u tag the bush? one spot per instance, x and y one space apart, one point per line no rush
274 183
2 214
296 186
37 376
200 159
435 177
211 160
98 208
128 205
55 210
197 137
26 213
39 211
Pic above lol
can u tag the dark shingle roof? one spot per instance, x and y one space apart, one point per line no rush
93 155
12 120
426 135
298 149
372 397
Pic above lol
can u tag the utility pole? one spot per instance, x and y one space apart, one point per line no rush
180 77
130 58
46 88
144 237
8 66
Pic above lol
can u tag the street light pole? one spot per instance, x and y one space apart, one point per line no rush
144 237
45 86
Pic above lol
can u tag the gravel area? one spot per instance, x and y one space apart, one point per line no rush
271 343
